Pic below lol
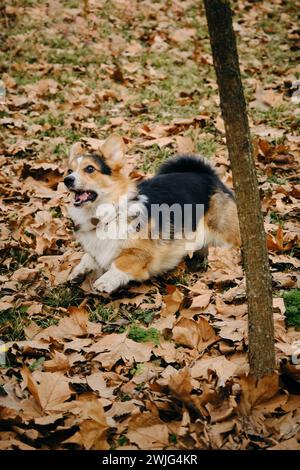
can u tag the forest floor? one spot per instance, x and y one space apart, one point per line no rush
162 365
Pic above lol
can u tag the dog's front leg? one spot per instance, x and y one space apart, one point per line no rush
131 265
112 280
87 264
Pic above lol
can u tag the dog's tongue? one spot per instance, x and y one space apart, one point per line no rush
81 197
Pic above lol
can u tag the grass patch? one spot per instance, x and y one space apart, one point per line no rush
138 369
45 322
37 364
138 315
12 323
276 219
153 158
63 296
273 116
102 314
292 304
123 441
143 335
19 258
276 179
207 147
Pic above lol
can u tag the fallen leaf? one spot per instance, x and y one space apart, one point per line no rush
194 334
116 346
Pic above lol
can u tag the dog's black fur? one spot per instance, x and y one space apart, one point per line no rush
182 180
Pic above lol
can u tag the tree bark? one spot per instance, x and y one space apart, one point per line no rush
255 256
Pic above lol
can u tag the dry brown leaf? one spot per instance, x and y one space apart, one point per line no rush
148 432
25 274
116 346
230 310
194 334
180 384
219 364
222 410
76 324
51 390
289 444
183 34
92 426
185 144
256 392
59 362
201 301
97 383
172 302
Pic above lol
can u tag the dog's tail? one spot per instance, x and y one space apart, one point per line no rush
187 164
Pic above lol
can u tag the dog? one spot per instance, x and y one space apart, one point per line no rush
140 248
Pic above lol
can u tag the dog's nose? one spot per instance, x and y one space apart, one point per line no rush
69 181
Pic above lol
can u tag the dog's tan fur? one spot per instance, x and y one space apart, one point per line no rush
137 258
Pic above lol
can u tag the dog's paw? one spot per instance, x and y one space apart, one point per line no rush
105 283
111 280
77 276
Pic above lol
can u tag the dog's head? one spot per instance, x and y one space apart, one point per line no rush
92 176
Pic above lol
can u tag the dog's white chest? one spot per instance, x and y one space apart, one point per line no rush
103 250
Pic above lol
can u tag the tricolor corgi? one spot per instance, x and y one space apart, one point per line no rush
133 230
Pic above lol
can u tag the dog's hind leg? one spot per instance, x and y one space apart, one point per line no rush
131 265
198 261
221 221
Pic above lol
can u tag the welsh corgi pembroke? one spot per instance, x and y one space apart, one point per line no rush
133 230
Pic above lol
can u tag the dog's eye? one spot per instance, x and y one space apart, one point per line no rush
89 169
69 172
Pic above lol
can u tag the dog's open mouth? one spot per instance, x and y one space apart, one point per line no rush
81 197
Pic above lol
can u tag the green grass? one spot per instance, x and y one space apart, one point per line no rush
143 335
276 219
138 315
19 257
37 364
63 296
154 156
273 116
46 321
101 313
12 323
123 440
138 369
207 147
276 179
292 304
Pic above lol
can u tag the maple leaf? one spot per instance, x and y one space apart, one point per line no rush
59 362
51 390
172 302
194 334
255 392
147 431
116 346
223 368
92 425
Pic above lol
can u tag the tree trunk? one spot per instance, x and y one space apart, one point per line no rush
255 256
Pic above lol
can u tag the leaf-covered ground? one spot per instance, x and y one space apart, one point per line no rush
161 365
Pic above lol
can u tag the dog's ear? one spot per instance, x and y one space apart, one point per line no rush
113 151
75 150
